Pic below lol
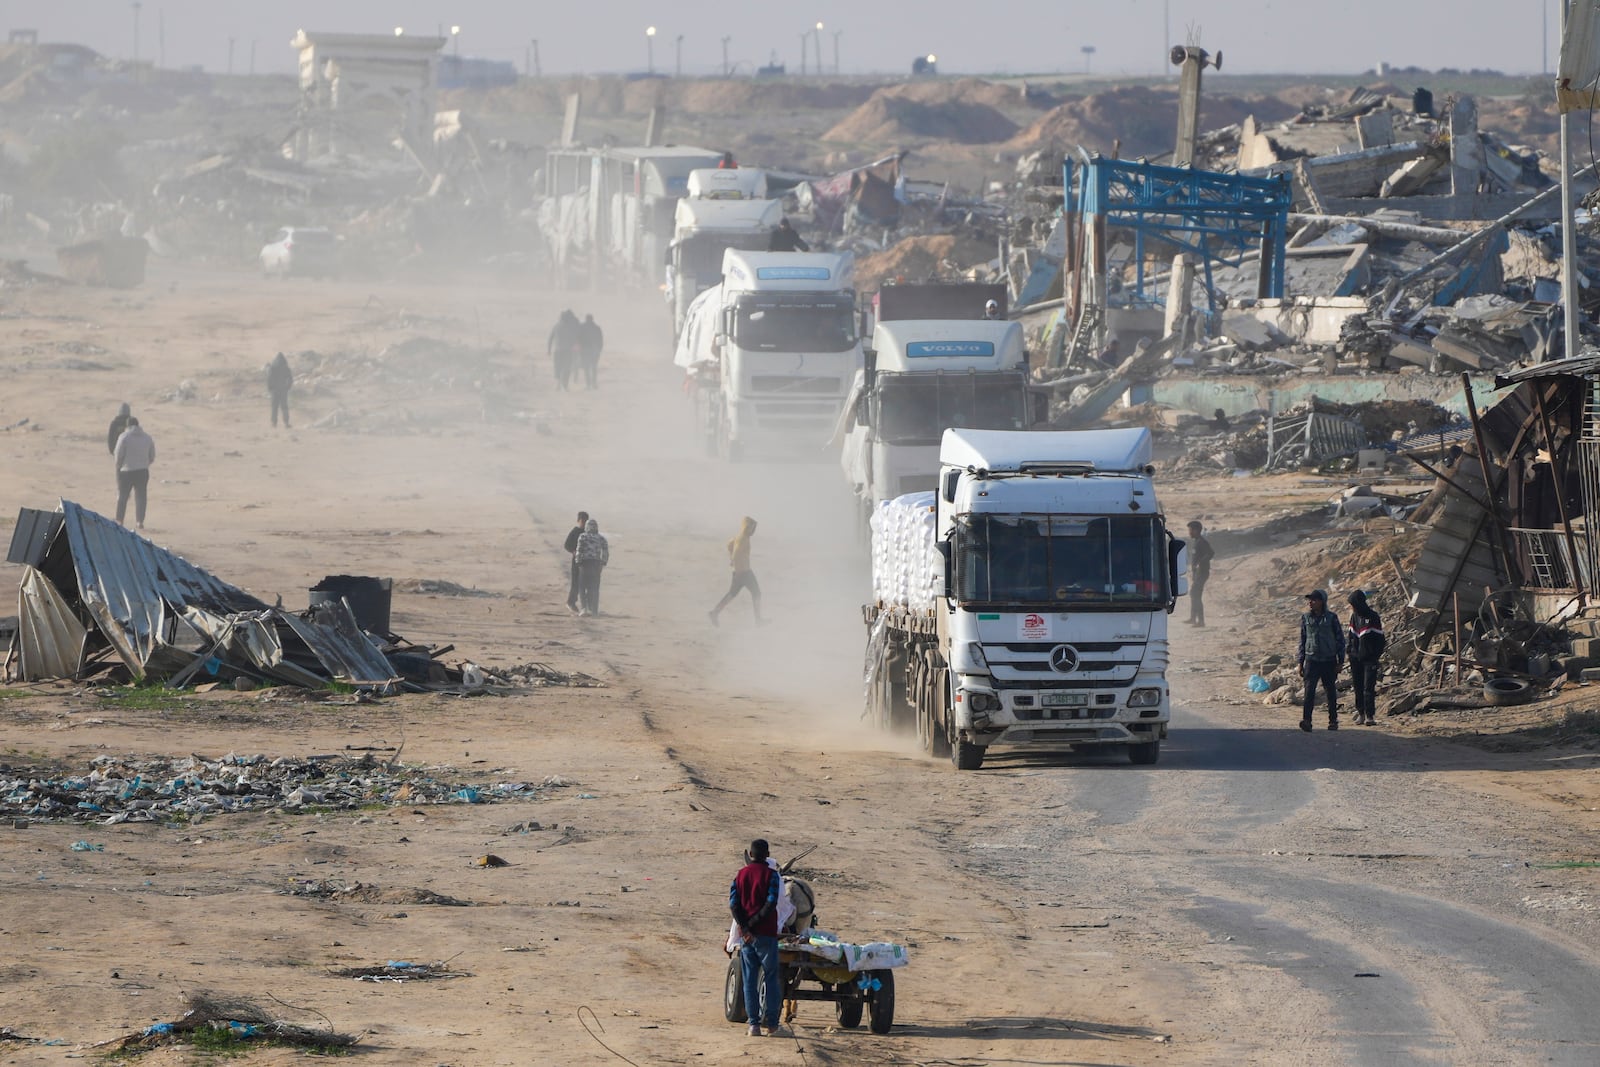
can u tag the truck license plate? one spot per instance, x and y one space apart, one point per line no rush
1066 700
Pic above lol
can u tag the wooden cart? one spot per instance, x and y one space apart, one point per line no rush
809 976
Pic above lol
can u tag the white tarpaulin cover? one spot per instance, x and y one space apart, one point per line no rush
1579 71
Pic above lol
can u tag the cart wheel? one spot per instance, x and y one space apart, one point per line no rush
882 1003
849 1011
733 993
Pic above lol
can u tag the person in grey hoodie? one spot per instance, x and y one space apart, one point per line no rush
593 554
134 454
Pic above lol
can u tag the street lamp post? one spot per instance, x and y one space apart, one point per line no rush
136 6
677 56
230 57
817 39
726 70
455 41
836 35
1088 56
804 35
650 49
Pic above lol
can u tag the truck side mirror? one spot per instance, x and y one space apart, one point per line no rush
944 555
948 487
864 410
1177 570
1039 404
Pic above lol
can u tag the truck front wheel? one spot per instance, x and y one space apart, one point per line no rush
1144 753
966 755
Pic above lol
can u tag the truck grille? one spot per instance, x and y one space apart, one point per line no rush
783 383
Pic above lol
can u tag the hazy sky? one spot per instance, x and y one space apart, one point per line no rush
1017 36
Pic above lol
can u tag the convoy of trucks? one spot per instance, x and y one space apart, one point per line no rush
770 352
1026 598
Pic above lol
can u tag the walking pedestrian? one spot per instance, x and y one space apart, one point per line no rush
280 379
571 545
563 346
1200 556
119 422
743 576
132 457
590 341
753 899
1321 653
1365 642
593 554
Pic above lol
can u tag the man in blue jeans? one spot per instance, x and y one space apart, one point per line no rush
1321 655
753 899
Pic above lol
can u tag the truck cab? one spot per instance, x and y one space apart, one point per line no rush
724 209
922 377
772 350
1060 576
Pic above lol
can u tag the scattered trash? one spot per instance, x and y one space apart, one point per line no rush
84 846
401 971
1257 684
490 860
241 1019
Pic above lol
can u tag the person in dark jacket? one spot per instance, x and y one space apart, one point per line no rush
590 342
753 899
1321 654
119 422
1365 642
1200 555
571 545
593 554
280 379
563 346
784 239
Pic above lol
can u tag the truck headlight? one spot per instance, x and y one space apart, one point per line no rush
981 701
1144 698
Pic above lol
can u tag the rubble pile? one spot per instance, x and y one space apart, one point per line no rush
946 257
119 789
1137 118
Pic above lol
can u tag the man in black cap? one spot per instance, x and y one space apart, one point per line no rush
753 899
1321 653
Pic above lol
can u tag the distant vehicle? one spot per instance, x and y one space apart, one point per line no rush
308 251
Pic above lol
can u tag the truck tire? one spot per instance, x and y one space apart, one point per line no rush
848 1011
733 992
966 755
881 1003
1144 753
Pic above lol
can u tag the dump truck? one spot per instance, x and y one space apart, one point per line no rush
770 352
1025 599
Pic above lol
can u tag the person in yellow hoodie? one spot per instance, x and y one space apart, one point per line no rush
743 576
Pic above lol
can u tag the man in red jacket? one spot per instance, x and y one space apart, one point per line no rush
753 899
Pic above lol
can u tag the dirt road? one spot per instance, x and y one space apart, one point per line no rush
1260 896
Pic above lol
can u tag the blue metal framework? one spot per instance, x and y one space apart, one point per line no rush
1219 217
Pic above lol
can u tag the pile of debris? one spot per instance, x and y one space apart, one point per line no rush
121 789
229 1021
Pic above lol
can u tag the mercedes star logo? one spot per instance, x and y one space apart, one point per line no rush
1063 659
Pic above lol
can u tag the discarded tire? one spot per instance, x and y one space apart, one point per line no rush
1504 691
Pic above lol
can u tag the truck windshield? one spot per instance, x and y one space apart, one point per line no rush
1060 560
700 256
796 322
916 409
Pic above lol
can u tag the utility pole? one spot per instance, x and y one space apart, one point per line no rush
161 37
677 59
1572 343
230 57
538 71
727 71
803 35
1088 56
252 57
1190 61
836 35
136 6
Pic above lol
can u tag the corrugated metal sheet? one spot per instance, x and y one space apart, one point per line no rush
133 588
1579 366
332 634
1457 532
32 536
49 635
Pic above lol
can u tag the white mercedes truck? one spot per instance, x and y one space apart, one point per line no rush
1025 599
771 351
